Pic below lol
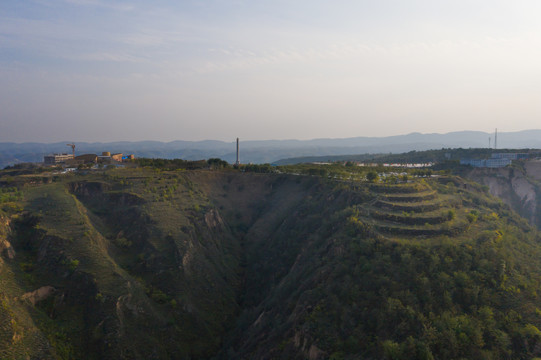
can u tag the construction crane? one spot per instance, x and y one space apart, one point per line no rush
72 149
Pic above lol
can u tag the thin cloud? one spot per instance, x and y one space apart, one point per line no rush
110 57
156 38
426 58
236 59
102 4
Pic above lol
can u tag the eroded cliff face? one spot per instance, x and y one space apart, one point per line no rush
143 267
6 250
518 188
128 274
20 334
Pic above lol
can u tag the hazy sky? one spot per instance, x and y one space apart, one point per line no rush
99 70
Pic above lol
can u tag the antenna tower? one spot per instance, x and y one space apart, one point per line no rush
237 163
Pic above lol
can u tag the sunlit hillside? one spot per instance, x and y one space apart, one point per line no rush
318 262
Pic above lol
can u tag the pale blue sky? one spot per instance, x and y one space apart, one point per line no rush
96 70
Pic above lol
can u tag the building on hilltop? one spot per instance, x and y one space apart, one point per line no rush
117 157
488 163
108 158
510 156
69 159
87 158
57 158
496 160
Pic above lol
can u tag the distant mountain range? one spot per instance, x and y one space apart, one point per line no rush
269 151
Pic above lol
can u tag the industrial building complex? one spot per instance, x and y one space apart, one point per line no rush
72 160
496 160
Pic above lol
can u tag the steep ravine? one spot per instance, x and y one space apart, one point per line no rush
229 265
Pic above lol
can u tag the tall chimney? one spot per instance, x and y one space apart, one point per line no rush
496 139
238 162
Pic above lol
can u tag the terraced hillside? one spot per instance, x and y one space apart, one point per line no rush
151 264
416 210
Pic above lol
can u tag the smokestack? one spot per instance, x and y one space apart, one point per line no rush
496 139
238 162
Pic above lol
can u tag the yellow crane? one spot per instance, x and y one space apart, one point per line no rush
72 149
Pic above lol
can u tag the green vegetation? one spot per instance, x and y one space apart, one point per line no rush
330 261
179 164
372 176
446 157
10 194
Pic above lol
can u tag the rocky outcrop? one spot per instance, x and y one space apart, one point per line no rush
308 348
527 194
213 219
39 295
101 191
533 169
515 188
88 188
6 250
125 199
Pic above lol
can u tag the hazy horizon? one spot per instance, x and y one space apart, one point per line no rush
98 71
242 140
